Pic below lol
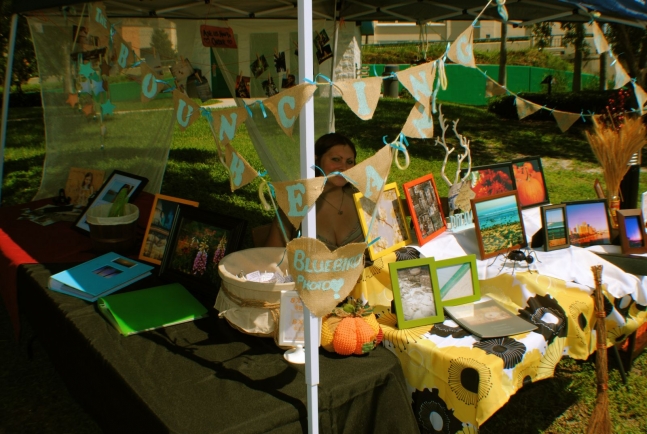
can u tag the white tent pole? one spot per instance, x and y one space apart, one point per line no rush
5 94
331 113
309 224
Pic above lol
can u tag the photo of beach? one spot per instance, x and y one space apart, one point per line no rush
499 224
633 231
588 224
555 227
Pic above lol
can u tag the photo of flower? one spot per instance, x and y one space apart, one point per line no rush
490 180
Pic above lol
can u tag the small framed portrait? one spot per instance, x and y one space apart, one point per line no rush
498 223
159 227
243 88
632 230
529 182
417 300
555 227
385 223
198 240
457 280
588 223
491 179
82 184
425 208
259 66
269 87
116 182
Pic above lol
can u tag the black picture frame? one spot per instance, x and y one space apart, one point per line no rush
554 224
108 191
197 230
530 182
595 215
491 179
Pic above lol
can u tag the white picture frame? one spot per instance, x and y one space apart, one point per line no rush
291 320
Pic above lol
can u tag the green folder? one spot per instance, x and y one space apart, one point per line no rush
148 309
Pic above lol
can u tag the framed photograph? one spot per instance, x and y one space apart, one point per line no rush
417 300
116 182
632 230
425 208
588 222
498 223
198 240
159 227
457 280
555 227
529 182
81 184
389 227
492 179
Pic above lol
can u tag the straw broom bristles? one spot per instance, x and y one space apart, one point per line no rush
614 147
600 422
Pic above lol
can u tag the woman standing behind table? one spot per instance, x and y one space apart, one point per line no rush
337 220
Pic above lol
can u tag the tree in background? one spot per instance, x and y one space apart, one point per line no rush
24 63
574 34
542 34
162 45
629 46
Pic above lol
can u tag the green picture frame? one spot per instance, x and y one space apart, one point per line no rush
457 280
415 296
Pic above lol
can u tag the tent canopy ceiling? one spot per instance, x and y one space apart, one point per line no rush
521 12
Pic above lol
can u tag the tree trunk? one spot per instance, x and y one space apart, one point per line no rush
603 71
577 66
503 57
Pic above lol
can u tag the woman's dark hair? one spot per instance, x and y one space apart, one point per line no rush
329 140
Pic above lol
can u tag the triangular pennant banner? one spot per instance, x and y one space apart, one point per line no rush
369 175
226 122
419 81
150 86
601 44
186 111
324 278
361 95
525 108
240 172
287 104
295 198
564 119
122 52
641 96
622 77
419 124
98 24
492 88
462 51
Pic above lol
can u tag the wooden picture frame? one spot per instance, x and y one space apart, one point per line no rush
82 184
492 179
588 222
194 233
108 192
555 227
425 208
599 192
457 280
530 182
159 227
416 298
390 224
632 231
499 224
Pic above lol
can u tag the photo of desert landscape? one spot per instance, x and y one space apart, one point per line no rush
499 222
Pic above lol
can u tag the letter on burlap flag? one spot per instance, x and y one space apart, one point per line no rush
295 198
186 111
240 172
369 175
564 119
419 124
622 77
287 104
601 44
98 24
149 84
122 52
461 51
419 81
226 122
641 96
525 108
324 278
492 88
361 95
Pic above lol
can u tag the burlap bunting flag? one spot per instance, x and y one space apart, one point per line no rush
226 122
295 198
461 51
287 104
98 24
122 53
149 85
419 81
240 171
525 108
369 175
564 119
641 96
419 124
601 44
361 95
186 111
622 77
324 278
492 88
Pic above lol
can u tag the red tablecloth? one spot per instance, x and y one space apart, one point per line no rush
23 241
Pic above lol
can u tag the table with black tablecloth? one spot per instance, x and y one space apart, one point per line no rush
204 376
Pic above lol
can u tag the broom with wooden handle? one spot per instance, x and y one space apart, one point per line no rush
600 422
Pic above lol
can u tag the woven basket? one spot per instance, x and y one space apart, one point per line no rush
112 234
251 307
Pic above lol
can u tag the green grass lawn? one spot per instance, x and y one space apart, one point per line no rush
558 405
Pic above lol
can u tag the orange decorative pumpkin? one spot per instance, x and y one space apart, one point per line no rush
530 185
350 329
